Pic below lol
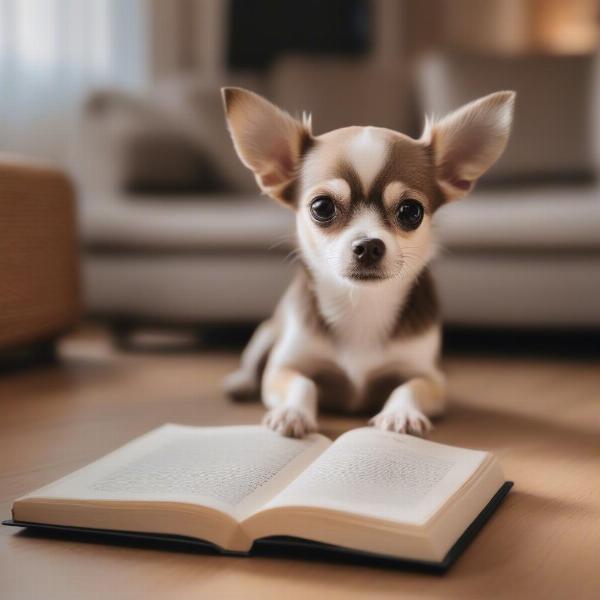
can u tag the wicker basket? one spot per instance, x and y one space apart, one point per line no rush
39 263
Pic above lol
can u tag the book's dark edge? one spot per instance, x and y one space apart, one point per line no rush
275 545
475 527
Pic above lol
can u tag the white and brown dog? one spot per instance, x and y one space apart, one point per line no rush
359 327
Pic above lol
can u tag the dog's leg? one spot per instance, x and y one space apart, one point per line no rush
245 382
406 409
292 400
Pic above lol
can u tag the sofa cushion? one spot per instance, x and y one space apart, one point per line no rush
513 219
327 88
195 109
124 134
537 218
553 134
157 161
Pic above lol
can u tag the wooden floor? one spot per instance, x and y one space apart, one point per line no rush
541 416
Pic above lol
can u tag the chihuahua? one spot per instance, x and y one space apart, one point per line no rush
358 328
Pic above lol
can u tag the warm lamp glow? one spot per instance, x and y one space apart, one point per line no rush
523 26
565 27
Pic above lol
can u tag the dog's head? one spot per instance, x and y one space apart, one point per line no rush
364 196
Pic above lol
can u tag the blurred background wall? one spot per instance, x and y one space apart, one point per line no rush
124 94
54 51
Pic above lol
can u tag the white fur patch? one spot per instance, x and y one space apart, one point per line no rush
362 317
367 223
367 152
393 191
338 188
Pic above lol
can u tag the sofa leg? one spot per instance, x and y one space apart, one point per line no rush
121 334
131 336
45 352
34 354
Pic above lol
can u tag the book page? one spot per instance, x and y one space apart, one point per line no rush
231 469
382 475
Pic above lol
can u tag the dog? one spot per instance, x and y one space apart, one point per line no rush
359 328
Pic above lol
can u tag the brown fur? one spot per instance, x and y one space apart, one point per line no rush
409 161
421 309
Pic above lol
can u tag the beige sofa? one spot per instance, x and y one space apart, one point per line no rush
191 241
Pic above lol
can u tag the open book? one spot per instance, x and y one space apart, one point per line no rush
369 491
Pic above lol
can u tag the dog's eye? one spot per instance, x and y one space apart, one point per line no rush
322 209
410 214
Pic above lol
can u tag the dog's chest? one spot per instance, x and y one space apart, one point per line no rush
361 376
357 358
359 349
355 377
360 318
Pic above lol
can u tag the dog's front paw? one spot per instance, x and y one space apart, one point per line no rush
402 420
289 422
241 385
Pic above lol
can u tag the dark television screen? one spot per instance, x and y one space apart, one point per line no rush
260 30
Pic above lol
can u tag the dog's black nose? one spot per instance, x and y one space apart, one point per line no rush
368 251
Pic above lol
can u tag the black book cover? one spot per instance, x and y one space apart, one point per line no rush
276 546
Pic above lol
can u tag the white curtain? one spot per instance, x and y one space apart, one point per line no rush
51 53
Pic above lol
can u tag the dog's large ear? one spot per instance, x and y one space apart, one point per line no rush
268 141
467 142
